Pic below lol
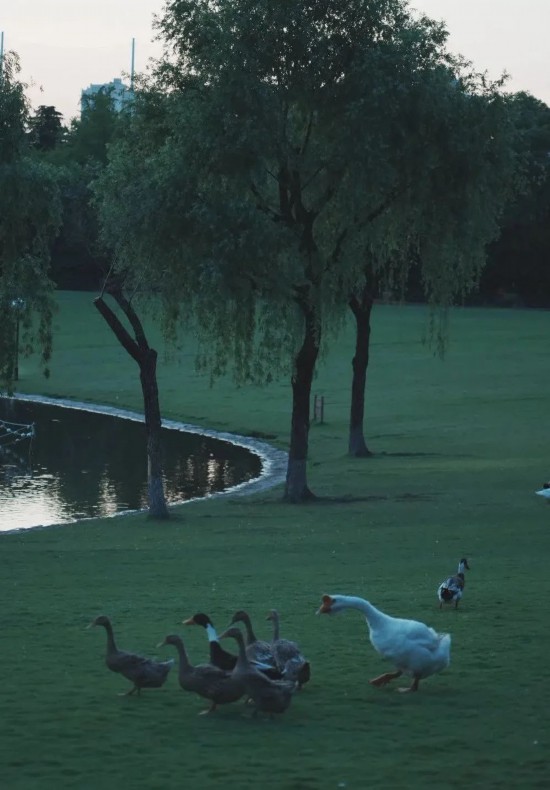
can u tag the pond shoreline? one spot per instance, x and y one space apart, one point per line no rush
273 461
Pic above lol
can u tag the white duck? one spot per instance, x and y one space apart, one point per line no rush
544 491
452 588
414 648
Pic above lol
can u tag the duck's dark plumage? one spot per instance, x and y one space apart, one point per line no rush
218 656
141 671
268 696
453 587
206 680
222 658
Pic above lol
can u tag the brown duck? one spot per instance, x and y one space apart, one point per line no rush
142 672
268 696
256 649
289 659
206 680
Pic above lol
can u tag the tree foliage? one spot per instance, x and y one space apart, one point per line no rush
518 260
282 142
30 214
46 130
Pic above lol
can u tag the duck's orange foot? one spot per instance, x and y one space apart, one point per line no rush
211 709
383 680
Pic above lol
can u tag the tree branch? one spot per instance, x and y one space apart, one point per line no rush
262 204
132 317
359 225
121 334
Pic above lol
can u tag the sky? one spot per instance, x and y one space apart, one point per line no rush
65 45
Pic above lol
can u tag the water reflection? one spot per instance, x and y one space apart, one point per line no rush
81 464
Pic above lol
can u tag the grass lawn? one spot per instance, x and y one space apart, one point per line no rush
461 445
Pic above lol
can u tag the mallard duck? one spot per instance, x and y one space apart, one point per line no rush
414 648
452 588
269 696
142 672
206 680
256 649
289 658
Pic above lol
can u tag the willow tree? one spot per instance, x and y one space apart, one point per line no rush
269 147
30 215
449 212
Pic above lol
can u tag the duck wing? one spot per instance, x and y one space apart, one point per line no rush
221 658
290 660
284 650
140 670
261 652
271 696
453 583
214 683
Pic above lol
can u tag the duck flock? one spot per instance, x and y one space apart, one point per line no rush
267 674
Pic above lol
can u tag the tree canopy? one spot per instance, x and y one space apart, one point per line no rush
278 145
46 130
30 216
517 270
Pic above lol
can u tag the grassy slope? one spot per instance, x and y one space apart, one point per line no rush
461 446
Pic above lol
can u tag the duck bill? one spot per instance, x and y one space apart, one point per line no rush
189 621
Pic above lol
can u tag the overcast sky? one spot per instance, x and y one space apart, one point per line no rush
64 45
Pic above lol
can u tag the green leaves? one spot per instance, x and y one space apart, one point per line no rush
30 216
281 145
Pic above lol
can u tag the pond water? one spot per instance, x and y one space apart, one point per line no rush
81 464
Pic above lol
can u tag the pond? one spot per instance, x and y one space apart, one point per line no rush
82 464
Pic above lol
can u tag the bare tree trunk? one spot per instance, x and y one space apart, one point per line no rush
296 489
361 309
153 426
146 358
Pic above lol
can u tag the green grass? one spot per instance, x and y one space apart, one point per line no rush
461 446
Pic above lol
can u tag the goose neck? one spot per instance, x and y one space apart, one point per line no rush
372 614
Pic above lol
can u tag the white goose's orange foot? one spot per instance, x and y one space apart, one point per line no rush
383 680
412 687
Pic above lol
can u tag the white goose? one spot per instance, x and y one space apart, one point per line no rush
414 648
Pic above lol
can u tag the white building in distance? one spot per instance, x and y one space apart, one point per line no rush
120 94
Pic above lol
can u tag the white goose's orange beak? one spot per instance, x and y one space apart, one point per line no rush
326 605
